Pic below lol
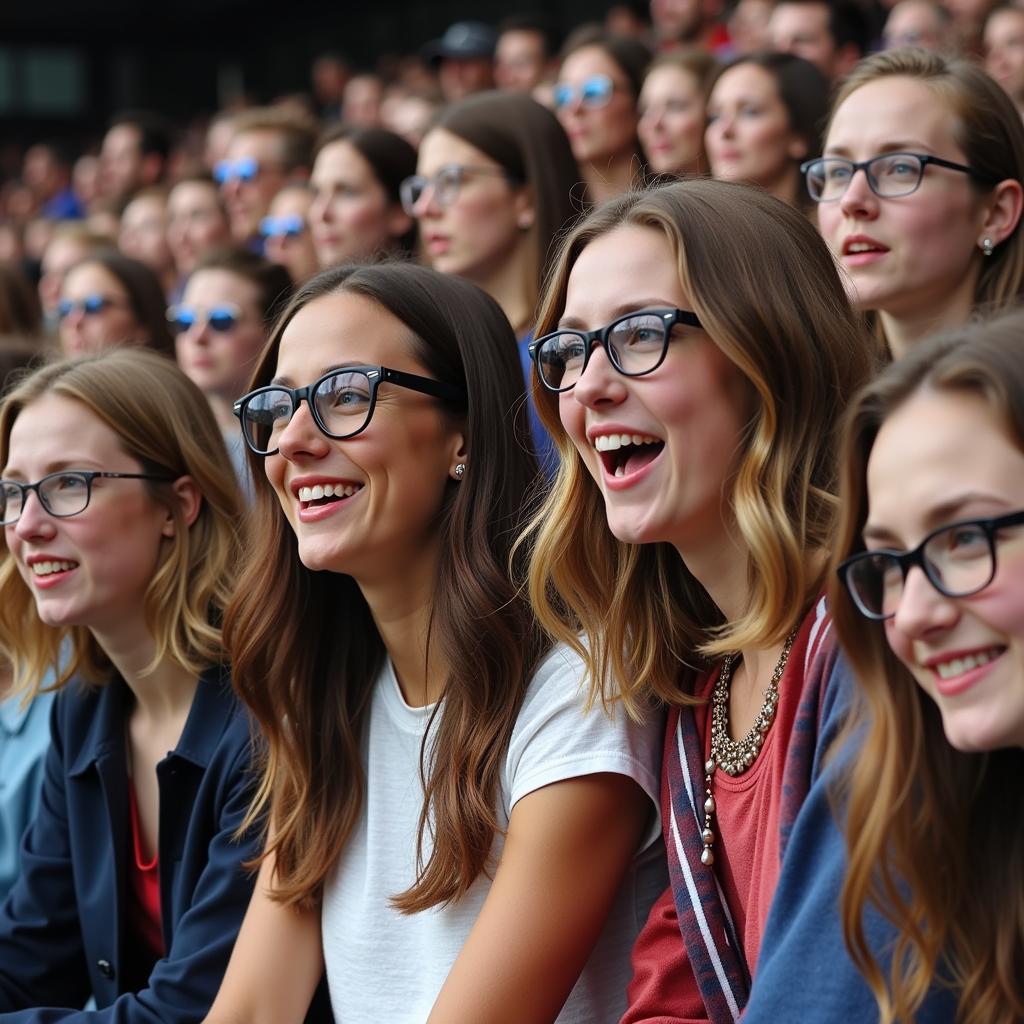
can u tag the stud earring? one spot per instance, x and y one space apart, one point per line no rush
987 247
460 471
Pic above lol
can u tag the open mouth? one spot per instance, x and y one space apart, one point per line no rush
624 454
51 568
326 494
859 248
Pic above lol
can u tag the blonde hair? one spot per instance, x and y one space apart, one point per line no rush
935 835
768 295
163 421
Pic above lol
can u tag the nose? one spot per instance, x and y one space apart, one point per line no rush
426 203
318 209
600 385
35 523
301 440
922 610
859 200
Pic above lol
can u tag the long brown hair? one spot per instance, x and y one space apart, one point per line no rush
767 292
935 835
309 682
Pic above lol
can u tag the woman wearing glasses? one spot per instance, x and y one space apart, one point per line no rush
452 833
695 349
496 184
120 544
919 193
108 300
929 602
595 98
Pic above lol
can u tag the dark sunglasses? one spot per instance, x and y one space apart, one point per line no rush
89 306
221 318
282 227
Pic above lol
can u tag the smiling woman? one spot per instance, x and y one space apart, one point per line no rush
453 833
119 516
930 605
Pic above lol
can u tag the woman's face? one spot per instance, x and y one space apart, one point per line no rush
286 233
196 223
749 137
598 134
942 458
916 255
91 569
219 362
671 123
393 475
99 315
350 215
479 230
687 415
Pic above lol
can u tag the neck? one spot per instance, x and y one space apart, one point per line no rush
163 694
513 285
223 412
609 178
902 332
401 609
786 186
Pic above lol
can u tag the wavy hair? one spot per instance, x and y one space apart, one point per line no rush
163 421
935 835
986 126
767 292
309 683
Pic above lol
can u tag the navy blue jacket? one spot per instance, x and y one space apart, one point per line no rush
63 925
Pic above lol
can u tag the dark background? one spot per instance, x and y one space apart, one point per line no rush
66 66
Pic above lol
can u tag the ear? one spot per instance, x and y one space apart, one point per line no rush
189 500
458 455
1004 209
797 149
525 211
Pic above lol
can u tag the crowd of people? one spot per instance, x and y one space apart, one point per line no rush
527 535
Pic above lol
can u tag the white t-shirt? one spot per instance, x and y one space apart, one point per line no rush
386 966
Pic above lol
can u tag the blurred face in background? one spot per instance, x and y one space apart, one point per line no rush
249 199
351 216
197 222
286 234
143 234
99 312
520 60
671 126
1004 51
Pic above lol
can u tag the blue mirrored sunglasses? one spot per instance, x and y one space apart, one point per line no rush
220 318
595 92
90 305
282 227
244 169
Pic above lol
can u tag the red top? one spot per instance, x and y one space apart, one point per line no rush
144 917
747 858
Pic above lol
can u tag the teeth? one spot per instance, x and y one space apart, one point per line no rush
861 247
613 442
319 491
49 568
958 666
620 470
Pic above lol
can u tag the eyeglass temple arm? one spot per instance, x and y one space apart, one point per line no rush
437 388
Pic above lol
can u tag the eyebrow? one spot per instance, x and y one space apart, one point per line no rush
949 511
574 323
51 467
288 382
899 146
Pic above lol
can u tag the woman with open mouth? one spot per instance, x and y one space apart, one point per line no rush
694 351
119 510
919 193
453 836
929 602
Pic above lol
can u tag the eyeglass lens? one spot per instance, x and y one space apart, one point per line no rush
341 405
635 346
958 561
61 494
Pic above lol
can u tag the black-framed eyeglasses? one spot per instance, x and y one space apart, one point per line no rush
90 305
444 184
341 403
889 175
635 343
958 559
222 318
61 494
